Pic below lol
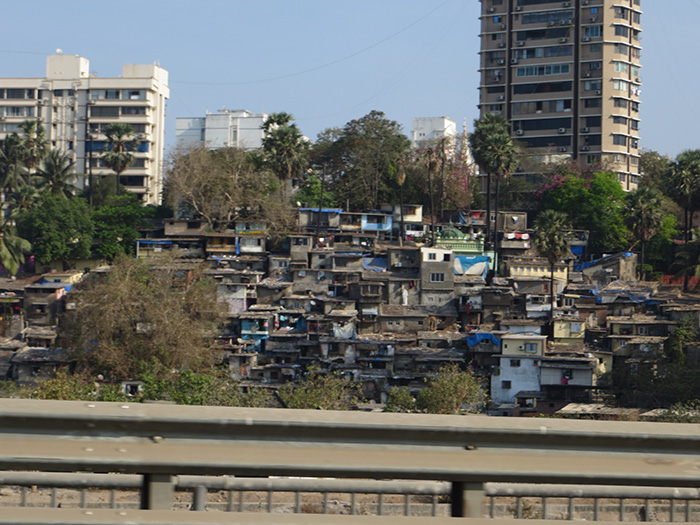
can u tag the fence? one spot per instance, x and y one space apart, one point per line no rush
454 459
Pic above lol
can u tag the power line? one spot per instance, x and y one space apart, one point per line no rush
322 66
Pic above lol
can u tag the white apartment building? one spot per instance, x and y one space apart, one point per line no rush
75 107
227 128
432 129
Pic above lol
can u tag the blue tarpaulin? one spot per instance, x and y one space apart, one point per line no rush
475 339
476 265
375 264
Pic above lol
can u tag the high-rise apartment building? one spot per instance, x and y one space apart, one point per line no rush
566 74
226 129
75 107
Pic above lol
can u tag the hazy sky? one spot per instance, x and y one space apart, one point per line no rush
330 61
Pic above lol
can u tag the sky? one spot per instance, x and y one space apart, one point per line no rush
330 61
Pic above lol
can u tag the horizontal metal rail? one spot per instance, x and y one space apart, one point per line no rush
342 486
164 442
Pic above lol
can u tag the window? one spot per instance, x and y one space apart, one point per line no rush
432 256
531 348
536 71
619 140
620 120
446 257
576 328
622 31
437 277
133 110
593 85
593 31
515 363
620 103
622 49
621 12
592 102
621 67
621 85
506 385
593 66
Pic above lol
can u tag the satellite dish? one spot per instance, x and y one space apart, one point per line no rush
59 51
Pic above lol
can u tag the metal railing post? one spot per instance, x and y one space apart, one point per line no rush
157 491
467 499
199 498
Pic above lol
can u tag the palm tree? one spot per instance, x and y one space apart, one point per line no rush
286 150
12 172
643 217
118 154
34 145
552 242
24 199
12 247
55 174
682 184
496 154
687 261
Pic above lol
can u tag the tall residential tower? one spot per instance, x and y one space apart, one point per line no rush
75 107
567 76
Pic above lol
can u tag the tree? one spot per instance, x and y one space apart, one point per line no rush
34 144
13 247
285 148
137 318
117 225
553 243
121 143
399 399
653 167
221 186
11 167
682 184
58 228
362 160
55 175
643 217
592 202
316 390
495 153
687 261
450 389
24 199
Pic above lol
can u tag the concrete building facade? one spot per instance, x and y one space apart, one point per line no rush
75 107
566 74
227 128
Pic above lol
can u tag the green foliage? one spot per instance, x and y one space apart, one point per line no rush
686 412
121 143
55 175
285 149
112 392
309 194
492 147
450 389
399 400
117 225
58 229
686 332
594 204
13 248
319 391
362 160
653 166
64 387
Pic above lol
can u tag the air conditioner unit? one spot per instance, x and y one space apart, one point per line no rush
501 62
585 148
513 60
501 98
518 8
502 44
599 92
638 80
491 10
563 40
521 347
521 43
566 4
564 22
40 102
585 2
586 75
586 38
562 150
519 131
503 26
585 130
552 23
562 130
593 19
